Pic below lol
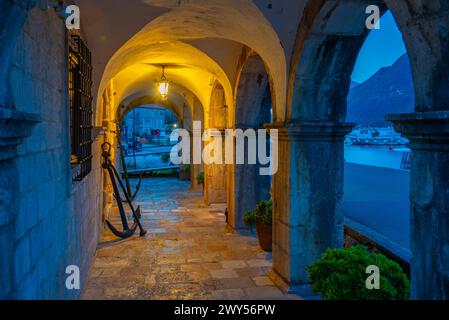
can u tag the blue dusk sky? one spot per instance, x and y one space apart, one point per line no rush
381 49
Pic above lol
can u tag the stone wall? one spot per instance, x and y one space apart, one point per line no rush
58 221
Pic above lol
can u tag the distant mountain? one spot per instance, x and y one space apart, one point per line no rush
388 91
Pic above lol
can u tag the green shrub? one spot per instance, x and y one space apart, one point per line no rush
249 219
263 213
200 178
341 275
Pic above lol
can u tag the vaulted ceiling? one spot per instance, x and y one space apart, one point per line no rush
199 42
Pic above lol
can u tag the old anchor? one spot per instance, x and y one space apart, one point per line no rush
115 177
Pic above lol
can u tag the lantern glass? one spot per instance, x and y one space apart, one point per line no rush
163 88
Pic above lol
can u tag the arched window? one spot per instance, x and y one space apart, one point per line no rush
377 159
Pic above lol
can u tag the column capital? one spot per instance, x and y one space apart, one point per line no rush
312 130
14 127
245 126
427 131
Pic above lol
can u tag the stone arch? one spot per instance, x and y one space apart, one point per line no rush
217 116
149 100
218 20
253 83
324 58
334 31
253 104
329 38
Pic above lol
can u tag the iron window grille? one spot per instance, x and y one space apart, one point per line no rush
81 112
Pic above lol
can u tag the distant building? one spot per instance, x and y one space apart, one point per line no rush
146 122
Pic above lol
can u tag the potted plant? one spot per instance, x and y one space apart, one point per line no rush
200 179
262 218
341 274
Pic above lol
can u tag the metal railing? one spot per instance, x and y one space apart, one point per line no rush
133 167
406 163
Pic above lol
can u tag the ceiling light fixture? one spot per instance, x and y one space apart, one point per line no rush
163 85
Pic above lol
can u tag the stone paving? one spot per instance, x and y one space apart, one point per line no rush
187 254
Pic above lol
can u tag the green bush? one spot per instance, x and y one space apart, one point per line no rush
341 275
263 213
200 178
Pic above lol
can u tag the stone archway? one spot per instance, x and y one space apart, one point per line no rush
252 111
187 110
178 111
311 218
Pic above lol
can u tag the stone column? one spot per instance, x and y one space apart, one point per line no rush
307 194
215 179
14 127
196 168
248 187
428 133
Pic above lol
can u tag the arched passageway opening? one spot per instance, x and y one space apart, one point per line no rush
377 159
309 188
145 136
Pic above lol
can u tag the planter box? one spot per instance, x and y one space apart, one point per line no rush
265 235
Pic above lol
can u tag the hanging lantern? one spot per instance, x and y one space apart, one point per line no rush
163 85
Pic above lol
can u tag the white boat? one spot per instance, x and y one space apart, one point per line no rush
375 137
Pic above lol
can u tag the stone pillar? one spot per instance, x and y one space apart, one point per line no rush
196 168
307 194
428 133
215 178
14 127
248 187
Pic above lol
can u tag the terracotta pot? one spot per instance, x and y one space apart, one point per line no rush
265 235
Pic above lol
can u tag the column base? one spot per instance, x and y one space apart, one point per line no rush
302 290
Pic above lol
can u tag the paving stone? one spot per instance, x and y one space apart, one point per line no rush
263 293
233 264
121 293
235 283
229 294
259 263
263 281
150 280
223 274
198 276
251 272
